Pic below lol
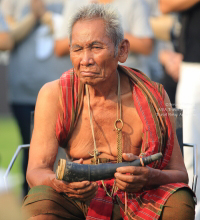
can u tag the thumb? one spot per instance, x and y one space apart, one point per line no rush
129 156
80 161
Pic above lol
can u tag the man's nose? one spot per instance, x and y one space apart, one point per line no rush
87 58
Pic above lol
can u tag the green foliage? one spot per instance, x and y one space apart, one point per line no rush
9 141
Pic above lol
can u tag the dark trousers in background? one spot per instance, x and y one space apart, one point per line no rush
22 114
170 87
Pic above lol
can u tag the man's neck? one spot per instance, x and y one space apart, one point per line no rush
109 88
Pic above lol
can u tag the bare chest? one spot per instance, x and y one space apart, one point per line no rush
104 115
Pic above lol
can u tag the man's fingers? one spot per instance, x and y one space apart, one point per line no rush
92 187
129 157
80 191
83 194
80 161
126 178
131 169
127 186
86 193
130 184
85 197
78 185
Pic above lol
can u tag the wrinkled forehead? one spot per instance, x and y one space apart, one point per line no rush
90 25
96 21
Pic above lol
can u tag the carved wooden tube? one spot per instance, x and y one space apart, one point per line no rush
74 172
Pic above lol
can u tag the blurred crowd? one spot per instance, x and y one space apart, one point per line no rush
164 44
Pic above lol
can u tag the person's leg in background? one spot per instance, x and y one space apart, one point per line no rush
22 114
170 87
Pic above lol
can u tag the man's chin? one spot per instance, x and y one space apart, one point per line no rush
92 81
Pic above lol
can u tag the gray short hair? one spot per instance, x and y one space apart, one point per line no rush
108 14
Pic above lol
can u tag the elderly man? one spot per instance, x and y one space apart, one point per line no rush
119 108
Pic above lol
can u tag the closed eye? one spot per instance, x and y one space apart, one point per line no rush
96 47
78 49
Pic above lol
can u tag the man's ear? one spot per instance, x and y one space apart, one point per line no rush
123 50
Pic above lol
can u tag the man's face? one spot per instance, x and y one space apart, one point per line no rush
92 52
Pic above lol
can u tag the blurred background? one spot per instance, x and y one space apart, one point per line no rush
9 132
164 38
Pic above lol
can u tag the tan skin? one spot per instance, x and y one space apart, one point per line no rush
92 54
6 42
137 45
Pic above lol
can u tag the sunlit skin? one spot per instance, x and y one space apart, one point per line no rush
6 42
94 60
92 54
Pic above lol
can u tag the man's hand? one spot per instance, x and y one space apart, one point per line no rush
38 8
131 178
83 191
171 62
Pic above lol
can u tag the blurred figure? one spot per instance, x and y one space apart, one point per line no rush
188 90
155 68
170 61
163 48
6 42
171 58
32 62
134 14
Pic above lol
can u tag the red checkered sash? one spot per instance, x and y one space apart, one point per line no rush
148 98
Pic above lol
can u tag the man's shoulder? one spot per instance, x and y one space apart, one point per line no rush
50 90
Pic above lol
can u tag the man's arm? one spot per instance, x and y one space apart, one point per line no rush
167 6
139 34
140 45
61 47
6 42
44 147
61 43
171 61
20 30
145 176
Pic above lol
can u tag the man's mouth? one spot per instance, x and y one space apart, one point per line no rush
88 73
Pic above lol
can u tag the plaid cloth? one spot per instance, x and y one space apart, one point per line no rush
148 97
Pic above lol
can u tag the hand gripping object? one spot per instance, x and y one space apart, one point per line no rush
74 172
